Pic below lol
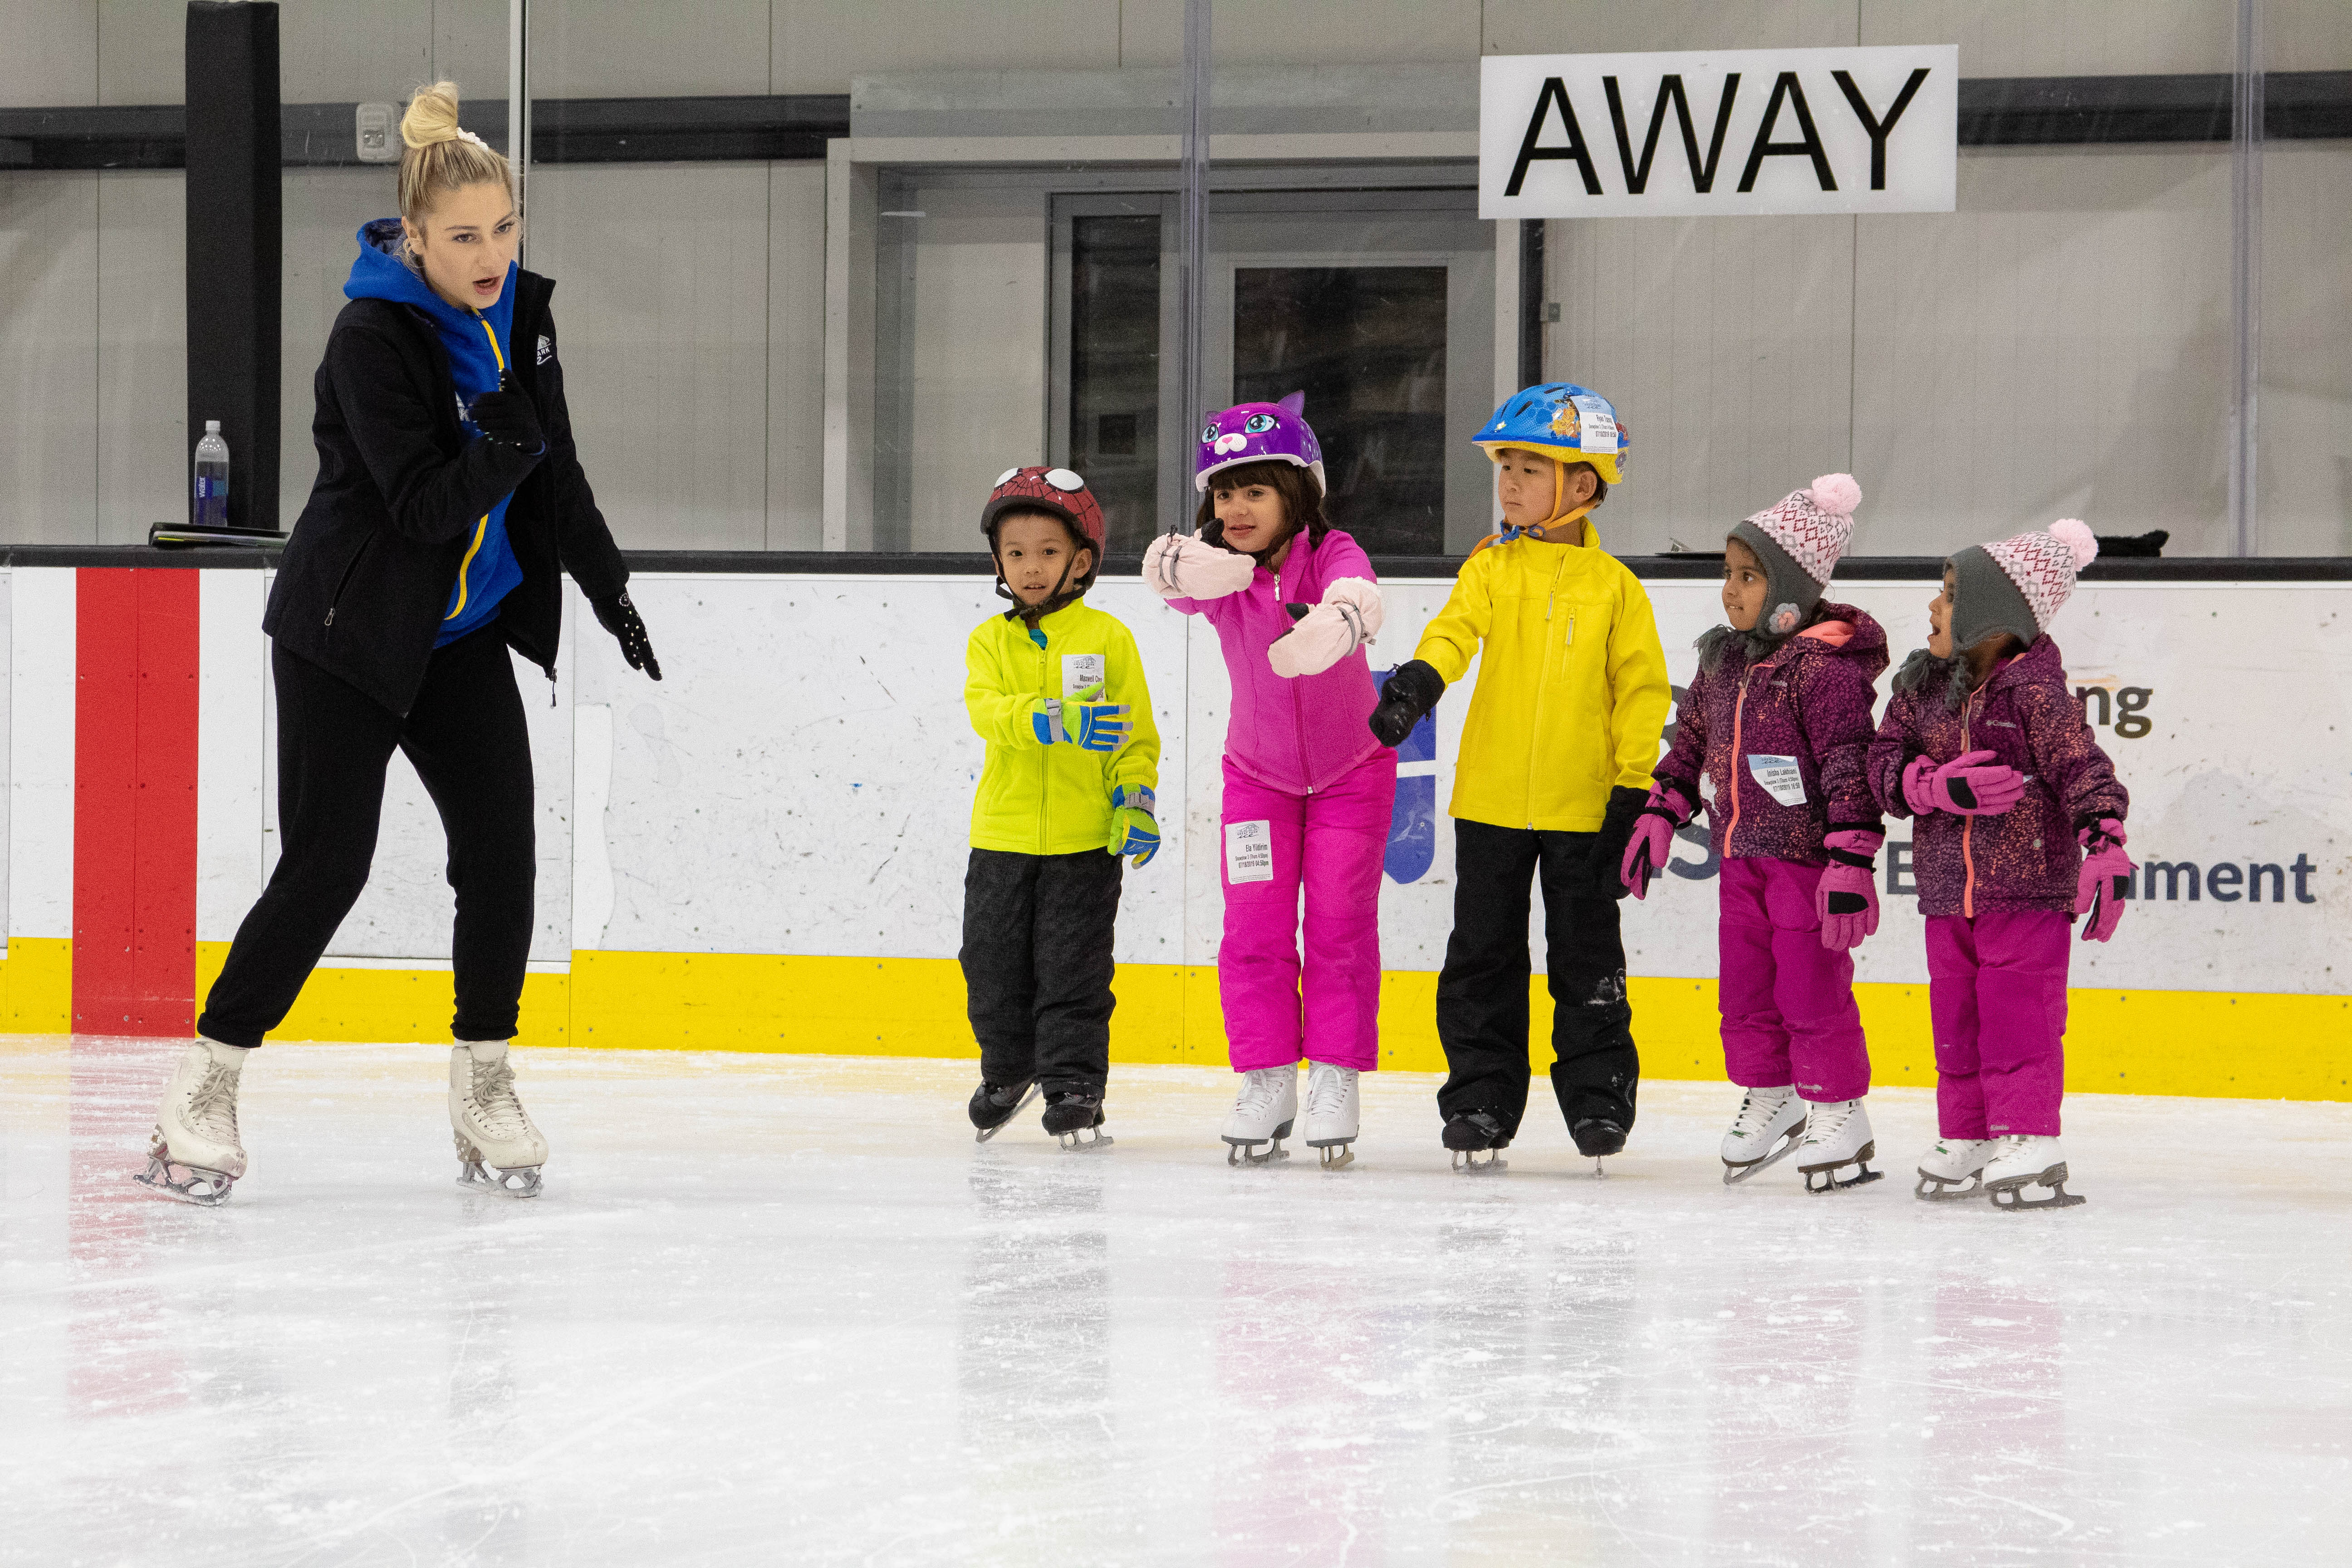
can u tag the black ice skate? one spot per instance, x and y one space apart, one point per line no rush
1471 1133
993 1106
1070 1117
1597 1138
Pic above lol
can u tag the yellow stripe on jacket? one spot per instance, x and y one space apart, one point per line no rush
1036 799
1572 692
481 529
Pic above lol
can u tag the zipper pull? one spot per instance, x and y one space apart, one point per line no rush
331 615
550 689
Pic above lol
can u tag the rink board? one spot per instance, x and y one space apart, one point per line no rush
764 852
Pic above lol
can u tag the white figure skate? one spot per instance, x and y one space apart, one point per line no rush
1771 1124
1837 1134
498 1147
195 1156
1954 1169
1262 1114
2024 1162
1333 1113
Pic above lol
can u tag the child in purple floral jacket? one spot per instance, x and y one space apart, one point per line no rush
1779 718
1985 745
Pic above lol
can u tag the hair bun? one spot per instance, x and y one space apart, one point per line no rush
432 115
2076 536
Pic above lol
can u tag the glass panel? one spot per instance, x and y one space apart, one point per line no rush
1114 365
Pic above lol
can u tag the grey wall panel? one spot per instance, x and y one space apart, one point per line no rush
2303 476
662 300
2064 37
324 209
2306 36
1726 344
337 51
2059 347
142 51
49 385
627 48
144 448
1306 32
818 44
469 46
51 53
795 357
1593 26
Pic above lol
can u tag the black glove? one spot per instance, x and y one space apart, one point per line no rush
508 417
620 617
1405 697
1625 807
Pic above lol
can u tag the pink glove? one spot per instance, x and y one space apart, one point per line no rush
1653 838
1961 786
1348 618
1846 900
1182 566
2104 880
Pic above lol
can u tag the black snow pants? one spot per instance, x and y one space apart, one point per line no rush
467 739
1482 993
1037 966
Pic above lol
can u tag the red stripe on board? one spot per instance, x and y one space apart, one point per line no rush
135 660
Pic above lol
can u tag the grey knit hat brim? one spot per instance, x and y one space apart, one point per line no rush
1788 593
1985 601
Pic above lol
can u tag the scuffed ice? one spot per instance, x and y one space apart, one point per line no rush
783 1310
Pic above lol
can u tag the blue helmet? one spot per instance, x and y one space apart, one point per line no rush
1565 422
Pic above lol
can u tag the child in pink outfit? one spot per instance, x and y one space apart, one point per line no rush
1778 717
1309 792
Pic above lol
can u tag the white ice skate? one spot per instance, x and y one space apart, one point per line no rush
1837 1134
1332 1113
1771 1124
1262 1114
2023 1164
498 1147
194 1154
1954 1169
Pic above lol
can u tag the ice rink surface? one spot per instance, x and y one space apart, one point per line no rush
782 1310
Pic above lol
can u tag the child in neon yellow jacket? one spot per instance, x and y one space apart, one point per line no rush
1555 766
1056 689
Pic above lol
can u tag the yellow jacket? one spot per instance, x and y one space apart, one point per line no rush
1036 799
1572 693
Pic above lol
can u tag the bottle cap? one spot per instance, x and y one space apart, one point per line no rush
212 427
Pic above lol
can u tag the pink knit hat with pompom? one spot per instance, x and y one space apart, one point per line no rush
1813 525
2043 564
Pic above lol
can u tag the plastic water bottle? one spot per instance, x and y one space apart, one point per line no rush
212 478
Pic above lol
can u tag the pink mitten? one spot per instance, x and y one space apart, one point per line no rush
1653 838
1348 618
1182 566
1962 786
2104 880
1846 900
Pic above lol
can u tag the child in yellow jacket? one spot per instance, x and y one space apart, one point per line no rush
1555 766
1056 689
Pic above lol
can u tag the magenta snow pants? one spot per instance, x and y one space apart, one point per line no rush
1996 991
1332 842
1789 1014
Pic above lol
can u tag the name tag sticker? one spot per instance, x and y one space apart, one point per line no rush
1249 852
1780 776
1080 671
1596 431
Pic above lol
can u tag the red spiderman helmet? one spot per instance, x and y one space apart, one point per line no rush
1059 492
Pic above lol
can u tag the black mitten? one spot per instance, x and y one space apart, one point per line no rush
1625 805
1405 697
508 417
620 617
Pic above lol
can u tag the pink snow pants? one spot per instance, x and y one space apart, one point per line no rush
1789 1014
1997 990
1332 843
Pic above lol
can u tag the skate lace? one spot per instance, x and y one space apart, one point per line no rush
1259 1093
1755 1115
495 1103
1824 1123
211 1109
1327 1094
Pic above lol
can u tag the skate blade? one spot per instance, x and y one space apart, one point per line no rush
517 1182
1828 1171
1238 1151
1937 1189
2009 1191
1735 1174
1337 1154
1466 1161
206 1189
985 1133
1083 1140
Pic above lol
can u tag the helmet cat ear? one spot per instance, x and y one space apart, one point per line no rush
1294 402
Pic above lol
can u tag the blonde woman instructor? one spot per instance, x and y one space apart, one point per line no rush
450 499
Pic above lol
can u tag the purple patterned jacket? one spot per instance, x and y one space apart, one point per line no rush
2026 857
1784 740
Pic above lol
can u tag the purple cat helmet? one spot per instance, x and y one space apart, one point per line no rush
1260 433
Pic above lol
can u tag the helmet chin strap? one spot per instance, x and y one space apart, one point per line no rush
1542 530
1043 608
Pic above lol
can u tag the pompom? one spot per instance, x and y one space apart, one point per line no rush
2076 536
1837 494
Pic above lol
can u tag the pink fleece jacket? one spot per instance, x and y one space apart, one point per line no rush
1300 735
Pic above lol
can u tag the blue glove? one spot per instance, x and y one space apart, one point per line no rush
1099 726
1133 830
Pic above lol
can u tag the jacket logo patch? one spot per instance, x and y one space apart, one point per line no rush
546 347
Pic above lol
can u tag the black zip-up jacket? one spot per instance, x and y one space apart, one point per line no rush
367 575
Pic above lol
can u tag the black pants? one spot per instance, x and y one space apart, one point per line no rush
1037 966
466 740
1482 993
